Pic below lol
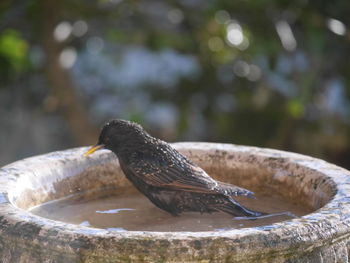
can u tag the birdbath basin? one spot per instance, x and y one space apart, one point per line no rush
321 236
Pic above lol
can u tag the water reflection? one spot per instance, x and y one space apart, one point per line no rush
129 210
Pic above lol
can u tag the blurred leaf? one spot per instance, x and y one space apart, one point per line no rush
14 49
295 109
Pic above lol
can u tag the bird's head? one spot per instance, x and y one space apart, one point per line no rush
118 134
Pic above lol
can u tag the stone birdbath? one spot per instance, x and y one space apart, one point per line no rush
320 236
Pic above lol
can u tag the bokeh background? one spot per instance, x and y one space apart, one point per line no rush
264 73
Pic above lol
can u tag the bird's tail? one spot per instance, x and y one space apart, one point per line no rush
228 205
234 208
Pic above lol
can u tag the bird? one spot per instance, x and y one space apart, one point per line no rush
167 178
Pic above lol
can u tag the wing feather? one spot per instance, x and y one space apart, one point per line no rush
178 173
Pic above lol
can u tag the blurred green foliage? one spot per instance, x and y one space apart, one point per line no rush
13 52
267 90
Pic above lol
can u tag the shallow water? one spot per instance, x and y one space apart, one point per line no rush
128 210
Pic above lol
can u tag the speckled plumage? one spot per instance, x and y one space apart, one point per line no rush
166 177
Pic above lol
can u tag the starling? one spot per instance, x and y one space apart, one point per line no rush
166 177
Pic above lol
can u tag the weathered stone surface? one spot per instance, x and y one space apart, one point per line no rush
322 236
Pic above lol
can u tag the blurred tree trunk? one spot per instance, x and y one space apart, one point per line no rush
62 86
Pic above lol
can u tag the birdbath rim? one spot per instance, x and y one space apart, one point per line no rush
332 219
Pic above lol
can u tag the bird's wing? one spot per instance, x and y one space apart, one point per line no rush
179 174
171 177
200 181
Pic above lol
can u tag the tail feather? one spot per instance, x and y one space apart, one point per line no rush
176 202
236 209
226 204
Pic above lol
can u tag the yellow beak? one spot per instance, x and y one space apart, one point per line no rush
94 149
